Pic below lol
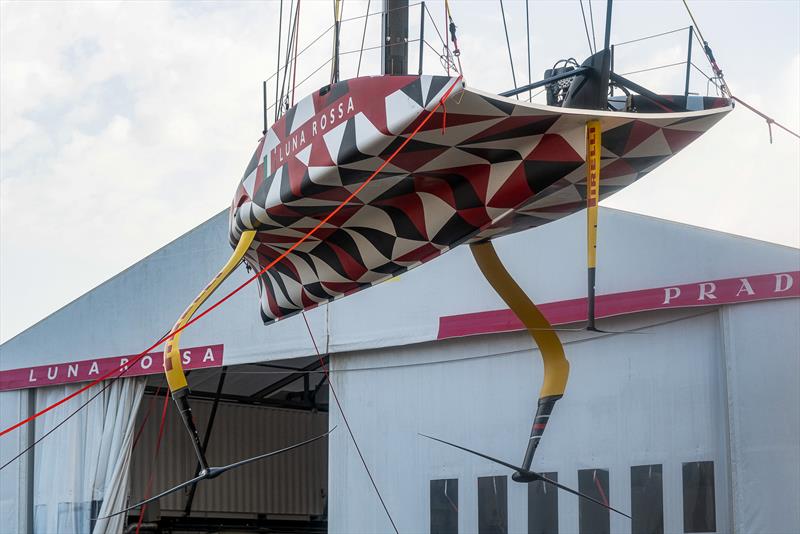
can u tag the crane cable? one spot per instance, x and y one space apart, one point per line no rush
508 45
151 476
363 36
591 18
296 42
337 25
347 423
586 27
452 27
528 35
707 50
278 67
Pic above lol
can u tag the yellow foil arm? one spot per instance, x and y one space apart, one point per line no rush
556 366
172 354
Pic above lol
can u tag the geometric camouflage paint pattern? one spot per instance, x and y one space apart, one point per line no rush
483 166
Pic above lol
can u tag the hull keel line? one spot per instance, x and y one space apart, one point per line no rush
556 366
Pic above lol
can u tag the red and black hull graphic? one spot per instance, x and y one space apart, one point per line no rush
481 167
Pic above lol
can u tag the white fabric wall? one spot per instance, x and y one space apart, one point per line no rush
14 406
86 460
762 346
631 400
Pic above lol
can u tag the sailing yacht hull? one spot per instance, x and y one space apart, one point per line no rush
482 166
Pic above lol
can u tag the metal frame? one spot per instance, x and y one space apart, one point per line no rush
187 511
546 81
227 398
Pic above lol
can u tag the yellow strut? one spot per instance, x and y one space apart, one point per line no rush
593 149
556 366
172 354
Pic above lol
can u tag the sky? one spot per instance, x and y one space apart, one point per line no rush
124 125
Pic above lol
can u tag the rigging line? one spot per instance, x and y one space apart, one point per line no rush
285 66
347 423
441 56
591 18
145 418
289 44
701 71
519 352
528 33
651 36
508 45
452 28
770 120
707 77
337 23
56 427
302 50
435 27
287 61
367 49
456 360
653 68
586 27
537 94
304 80
127 365
278 67
122 369
296 41
363 36
155 459
327 61
707 50
379 12
447 36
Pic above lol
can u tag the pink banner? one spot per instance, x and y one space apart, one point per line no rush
710 293
86 370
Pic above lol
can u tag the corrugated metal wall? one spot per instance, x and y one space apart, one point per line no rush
294 483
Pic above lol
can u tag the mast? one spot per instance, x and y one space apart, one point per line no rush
394 60
337 26
607 41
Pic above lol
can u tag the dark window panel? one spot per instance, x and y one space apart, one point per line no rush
492 505
699 506
593 518
543 506
647 499
444 506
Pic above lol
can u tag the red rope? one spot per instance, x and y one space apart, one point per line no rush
145 418
600 488
155 457
211 308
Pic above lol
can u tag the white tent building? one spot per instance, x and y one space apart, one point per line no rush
691 423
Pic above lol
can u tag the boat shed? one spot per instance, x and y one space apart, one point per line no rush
687 417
